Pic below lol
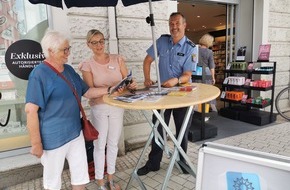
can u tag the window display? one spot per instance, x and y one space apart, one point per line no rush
19 19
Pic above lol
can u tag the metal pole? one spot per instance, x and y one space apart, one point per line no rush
154 45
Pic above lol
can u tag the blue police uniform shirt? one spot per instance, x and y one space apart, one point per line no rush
174 59
59 113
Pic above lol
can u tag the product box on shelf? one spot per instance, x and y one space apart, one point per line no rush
261 83
241 66
234 95
236 80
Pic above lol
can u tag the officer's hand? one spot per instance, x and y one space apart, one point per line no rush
170 83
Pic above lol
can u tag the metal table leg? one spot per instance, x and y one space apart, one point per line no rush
164 146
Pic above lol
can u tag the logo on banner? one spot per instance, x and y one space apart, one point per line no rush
243 181
22 56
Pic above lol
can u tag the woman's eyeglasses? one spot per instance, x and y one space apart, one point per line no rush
66 50
95 43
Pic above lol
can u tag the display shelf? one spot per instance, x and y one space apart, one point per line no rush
248 91
247 104
248 87
219 54
249 72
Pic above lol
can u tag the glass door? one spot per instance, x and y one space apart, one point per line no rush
217 18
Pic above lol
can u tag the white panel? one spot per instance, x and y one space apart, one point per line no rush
216 161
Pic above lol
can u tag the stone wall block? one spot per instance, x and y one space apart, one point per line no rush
159 10
137 28
88 11
80 51
137 70
279 20
282 78
134 50
79 26
283 63
279 34
279 6
280 49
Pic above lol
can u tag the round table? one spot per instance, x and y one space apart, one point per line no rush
202 93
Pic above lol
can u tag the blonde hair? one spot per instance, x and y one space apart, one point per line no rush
206 40
93 32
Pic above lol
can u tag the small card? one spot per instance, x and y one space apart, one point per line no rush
226 81
223 94
247 82
244 98
250 66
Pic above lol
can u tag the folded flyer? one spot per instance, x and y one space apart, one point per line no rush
122 83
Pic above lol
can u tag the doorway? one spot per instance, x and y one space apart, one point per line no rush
219 20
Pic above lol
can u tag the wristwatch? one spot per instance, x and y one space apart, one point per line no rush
179 81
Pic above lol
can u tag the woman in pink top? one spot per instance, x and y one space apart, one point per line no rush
104 71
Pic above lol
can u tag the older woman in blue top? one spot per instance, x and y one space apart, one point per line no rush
53 115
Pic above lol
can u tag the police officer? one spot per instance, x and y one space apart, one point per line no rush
177 59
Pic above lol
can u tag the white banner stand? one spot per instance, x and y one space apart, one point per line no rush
222 167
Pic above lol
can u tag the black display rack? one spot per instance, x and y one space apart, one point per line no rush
249 112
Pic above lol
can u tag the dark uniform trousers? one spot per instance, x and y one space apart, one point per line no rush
155 155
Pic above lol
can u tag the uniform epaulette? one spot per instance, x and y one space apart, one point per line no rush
190 43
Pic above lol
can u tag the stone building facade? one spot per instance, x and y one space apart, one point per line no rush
127 33
278 20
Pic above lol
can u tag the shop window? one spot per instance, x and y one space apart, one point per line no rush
19 19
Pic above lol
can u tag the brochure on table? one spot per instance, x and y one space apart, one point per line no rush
152 94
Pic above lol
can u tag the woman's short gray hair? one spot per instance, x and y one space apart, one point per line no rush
52 40
206 40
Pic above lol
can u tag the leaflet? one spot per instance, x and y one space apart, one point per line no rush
122 83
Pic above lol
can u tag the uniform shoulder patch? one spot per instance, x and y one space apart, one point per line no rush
190 43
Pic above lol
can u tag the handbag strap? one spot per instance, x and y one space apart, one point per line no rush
72 88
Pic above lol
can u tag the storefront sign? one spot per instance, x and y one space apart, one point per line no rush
22 56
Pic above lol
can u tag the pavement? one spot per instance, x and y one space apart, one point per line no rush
272 138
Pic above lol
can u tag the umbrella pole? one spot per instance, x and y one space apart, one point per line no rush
152 24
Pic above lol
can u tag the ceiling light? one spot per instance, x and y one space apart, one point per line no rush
198 16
